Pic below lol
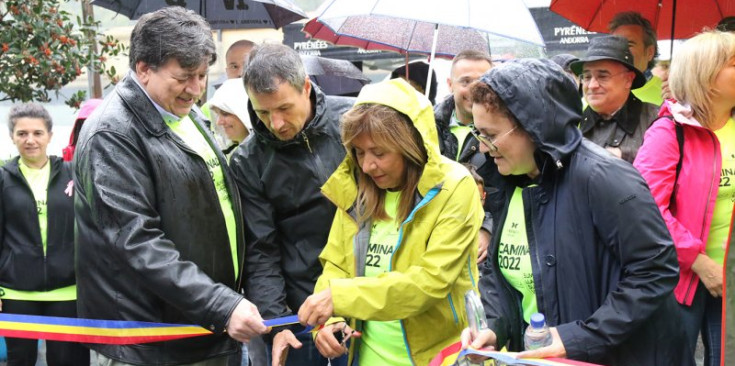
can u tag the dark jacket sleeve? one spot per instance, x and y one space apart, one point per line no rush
630 225
264 281
112 176
487 222
493 298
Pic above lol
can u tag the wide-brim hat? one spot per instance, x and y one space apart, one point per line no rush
613 48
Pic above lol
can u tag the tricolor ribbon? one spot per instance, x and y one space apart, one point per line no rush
453 354
106 331
286 321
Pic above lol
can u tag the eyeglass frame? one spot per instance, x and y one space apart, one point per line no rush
487 141
604 80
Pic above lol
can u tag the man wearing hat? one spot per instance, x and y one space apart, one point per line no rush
614 118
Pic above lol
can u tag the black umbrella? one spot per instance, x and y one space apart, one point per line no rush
334 77
222 14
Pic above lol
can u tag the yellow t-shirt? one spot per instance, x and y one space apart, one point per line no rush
187 130
460 132
720 227
382 341
38 180
514 259
650 92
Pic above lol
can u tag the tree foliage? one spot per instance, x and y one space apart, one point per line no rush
42 49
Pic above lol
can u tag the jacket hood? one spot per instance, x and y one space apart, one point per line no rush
544 101
401 96
232 98
682 113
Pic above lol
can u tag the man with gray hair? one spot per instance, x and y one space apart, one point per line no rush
159 225
280 171
642 43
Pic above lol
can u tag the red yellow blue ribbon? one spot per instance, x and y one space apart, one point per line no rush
105 331
92 330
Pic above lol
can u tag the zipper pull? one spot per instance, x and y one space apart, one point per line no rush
306 140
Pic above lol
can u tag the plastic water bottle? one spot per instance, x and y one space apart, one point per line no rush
537 334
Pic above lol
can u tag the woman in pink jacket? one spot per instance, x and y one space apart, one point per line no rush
695 187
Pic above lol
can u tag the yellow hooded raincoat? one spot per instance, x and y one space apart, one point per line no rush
434 263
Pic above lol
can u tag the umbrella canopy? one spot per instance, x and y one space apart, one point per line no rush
687 16
416 26
395 34
504 18
334 77
232 14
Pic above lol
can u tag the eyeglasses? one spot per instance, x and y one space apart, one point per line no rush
487 141
601 77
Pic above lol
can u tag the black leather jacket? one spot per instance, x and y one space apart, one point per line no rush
151 238
23 265
287 219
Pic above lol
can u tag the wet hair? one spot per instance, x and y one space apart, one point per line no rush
28 110
694 69
392 131
271 64
484 95
649 34
172 33
472 55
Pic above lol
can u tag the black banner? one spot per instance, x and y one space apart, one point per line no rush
561 35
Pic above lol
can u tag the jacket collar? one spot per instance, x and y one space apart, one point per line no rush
13 167
444 110
141 106
341 187
316 126
682 113
627 118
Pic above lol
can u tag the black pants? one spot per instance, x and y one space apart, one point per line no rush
23 352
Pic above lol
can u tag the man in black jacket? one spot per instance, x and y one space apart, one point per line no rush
296 146
159 227
454 114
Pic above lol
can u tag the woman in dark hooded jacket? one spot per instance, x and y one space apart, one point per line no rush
580 238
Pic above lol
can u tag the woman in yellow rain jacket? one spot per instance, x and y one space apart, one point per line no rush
402 248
